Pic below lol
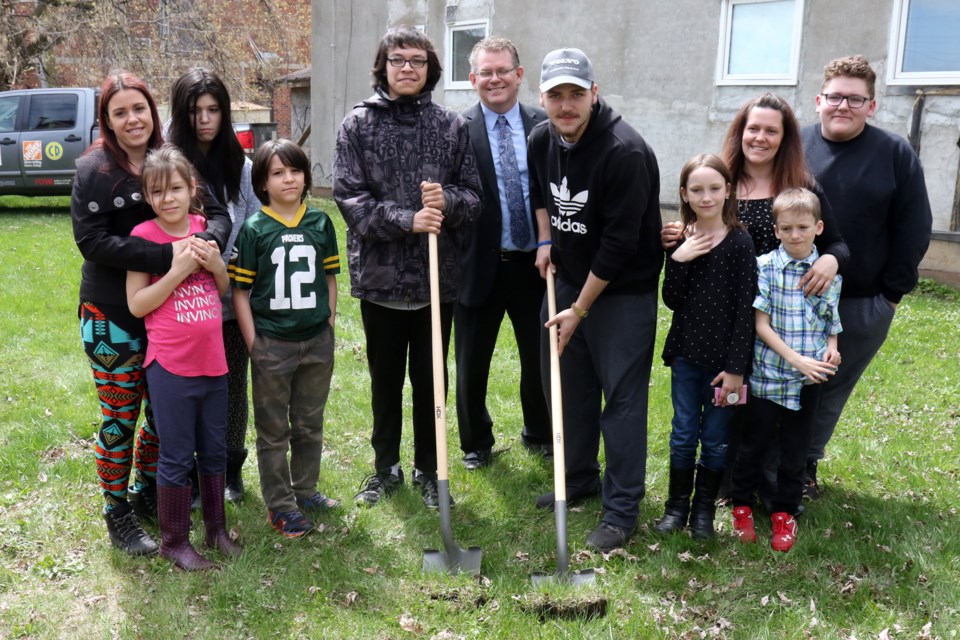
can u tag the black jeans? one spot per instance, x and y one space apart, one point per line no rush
605 377
767 422
392 336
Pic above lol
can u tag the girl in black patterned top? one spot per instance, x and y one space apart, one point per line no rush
709 284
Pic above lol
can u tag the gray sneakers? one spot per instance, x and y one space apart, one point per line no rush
377 485
429 489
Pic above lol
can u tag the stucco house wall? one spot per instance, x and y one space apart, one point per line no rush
656 63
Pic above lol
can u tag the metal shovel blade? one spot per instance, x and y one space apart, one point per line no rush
563 574
453 559
575 578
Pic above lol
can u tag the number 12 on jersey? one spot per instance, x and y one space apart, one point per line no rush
297 279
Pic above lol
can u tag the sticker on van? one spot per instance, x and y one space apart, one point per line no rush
32 156
53 150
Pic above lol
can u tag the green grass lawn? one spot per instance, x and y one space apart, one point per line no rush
33 203
878 557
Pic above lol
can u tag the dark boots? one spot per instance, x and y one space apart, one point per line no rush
174 510
214 517
126 533
144 502
234 479
706 488
678 502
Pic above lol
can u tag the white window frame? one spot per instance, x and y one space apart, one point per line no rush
460 25
723 53
898 40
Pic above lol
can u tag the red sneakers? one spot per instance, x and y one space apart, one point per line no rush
784 531
743 524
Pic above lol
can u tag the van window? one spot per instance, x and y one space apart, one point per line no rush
52 111
8 113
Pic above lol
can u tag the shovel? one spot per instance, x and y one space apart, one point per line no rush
452 559
563 574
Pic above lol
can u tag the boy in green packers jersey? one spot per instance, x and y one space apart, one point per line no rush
285 295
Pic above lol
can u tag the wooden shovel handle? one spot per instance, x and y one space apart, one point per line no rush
556 396
439 397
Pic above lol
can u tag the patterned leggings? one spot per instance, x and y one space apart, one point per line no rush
116 356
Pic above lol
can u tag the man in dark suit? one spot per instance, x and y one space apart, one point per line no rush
499 275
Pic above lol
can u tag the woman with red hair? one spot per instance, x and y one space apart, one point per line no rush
106 204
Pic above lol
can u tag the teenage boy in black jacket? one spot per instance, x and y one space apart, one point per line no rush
594 185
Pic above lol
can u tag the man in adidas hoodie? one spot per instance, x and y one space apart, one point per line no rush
594 186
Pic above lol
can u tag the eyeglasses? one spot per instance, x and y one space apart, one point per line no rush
486 74
399 61
836 99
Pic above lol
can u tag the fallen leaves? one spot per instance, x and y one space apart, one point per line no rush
620 553
410 624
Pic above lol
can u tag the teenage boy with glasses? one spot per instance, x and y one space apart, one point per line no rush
403 168
875 185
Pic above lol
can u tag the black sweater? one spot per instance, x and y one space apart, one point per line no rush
106 204
602 196
876 187
712 302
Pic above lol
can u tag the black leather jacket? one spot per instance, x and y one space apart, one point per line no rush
106 204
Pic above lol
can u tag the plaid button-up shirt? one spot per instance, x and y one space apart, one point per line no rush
803 322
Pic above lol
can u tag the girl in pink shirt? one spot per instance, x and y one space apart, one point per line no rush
185 363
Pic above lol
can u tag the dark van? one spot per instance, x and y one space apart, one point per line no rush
42 133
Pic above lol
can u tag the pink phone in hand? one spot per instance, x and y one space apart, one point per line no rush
732 398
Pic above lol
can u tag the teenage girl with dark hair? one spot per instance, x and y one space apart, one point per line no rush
201 126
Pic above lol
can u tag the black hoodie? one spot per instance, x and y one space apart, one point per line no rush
602 195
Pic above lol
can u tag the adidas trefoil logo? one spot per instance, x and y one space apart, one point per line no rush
568 205
561 197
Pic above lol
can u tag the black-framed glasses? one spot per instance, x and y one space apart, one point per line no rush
486 74
836 99
399 61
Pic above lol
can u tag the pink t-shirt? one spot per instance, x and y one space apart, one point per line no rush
185 333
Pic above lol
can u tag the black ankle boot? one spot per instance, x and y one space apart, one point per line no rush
234 476
704 505
144 502
126 533
678 502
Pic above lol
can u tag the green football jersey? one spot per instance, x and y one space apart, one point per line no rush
284 266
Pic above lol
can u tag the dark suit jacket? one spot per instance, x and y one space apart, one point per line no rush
481 253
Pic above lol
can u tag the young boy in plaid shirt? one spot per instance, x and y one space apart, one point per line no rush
794 352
